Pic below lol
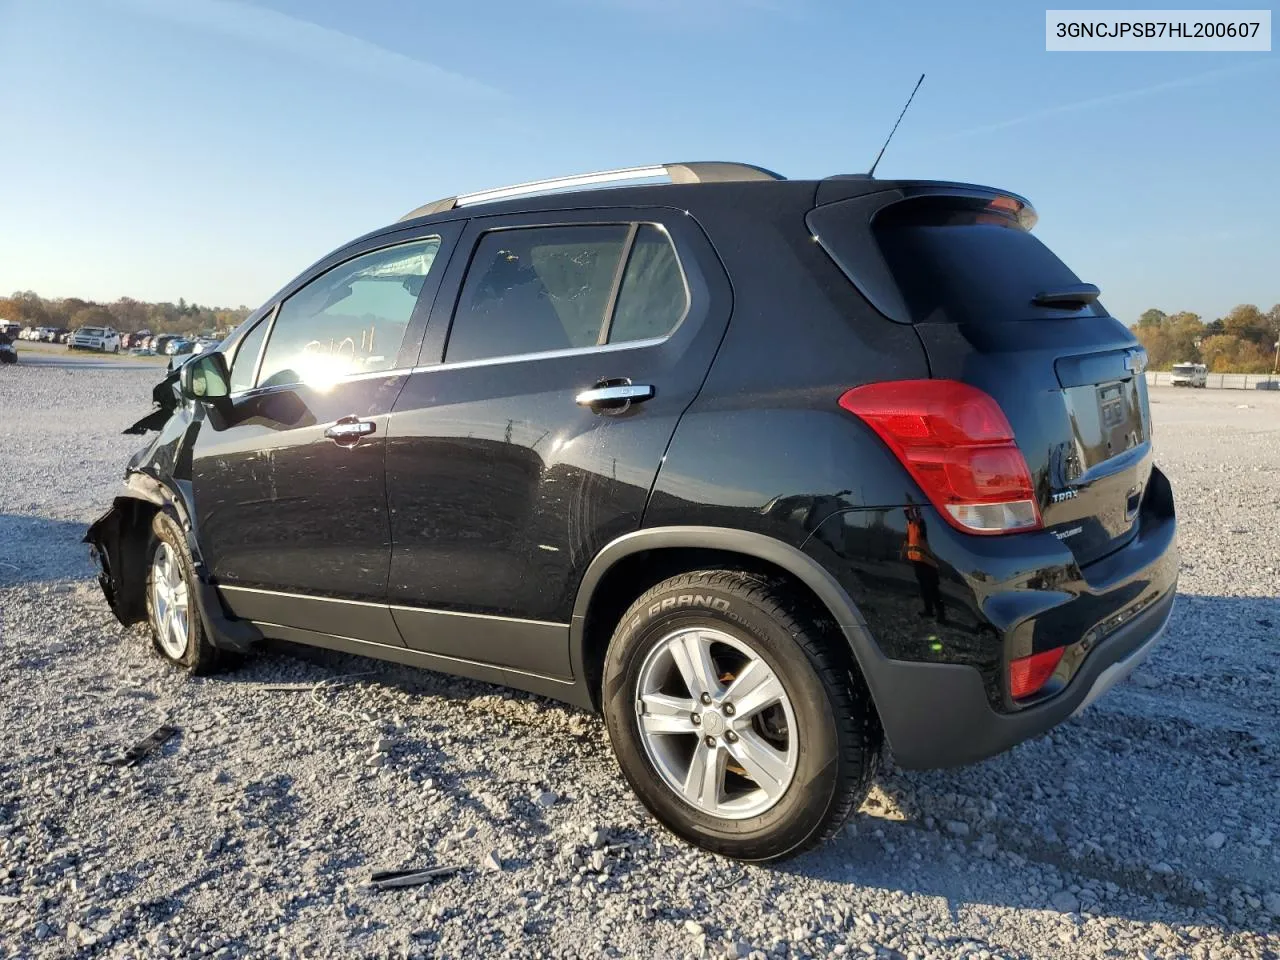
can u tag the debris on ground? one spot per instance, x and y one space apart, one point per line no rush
412 877
146 746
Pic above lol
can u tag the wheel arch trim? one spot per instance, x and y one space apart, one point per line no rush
142 489
746 543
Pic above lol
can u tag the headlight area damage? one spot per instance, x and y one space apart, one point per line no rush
121 540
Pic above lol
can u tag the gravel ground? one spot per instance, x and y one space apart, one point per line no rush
1148 827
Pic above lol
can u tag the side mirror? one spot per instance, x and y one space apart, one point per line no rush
205 378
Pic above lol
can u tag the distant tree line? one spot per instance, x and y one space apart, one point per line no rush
1241 342
125 314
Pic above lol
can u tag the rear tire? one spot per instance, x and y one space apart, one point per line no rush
173 614
774 764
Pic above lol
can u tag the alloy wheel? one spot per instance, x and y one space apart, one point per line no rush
716 723
169 601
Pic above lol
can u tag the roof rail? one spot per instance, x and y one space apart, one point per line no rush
713 171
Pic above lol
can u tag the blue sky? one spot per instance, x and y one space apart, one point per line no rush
210 149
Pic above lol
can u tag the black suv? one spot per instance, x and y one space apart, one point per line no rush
770 472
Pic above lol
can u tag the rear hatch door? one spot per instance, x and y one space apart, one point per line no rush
997 309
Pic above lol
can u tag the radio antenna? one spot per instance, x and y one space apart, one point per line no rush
872 171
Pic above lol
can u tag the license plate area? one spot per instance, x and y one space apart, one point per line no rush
1106 421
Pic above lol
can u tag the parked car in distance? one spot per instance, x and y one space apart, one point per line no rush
1189 375
670 451
54 334
100 339
202 344
179 345
10 328
1271 384
159 343
8 352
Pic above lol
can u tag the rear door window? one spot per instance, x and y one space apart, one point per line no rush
654 297
534 290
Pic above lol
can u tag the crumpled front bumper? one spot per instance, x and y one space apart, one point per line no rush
117 546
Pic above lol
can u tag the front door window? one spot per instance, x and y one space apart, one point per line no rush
350 320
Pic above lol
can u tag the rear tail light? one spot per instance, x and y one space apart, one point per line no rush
956 443
1028 674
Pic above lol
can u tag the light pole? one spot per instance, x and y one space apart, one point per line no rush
1276 363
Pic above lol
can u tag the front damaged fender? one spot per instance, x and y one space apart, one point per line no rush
118 544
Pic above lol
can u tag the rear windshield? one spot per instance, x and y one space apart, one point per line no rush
955 260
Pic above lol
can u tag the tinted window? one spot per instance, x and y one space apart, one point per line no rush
247 356
952 260
350 320
653 297
537 289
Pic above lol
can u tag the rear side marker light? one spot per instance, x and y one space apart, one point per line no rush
1027 675
958 446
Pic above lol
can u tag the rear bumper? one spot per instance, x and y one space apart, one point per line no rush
939 715
938 643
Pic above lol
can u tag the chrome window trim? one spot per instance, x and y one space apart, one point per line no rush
463 364
347 378
446 364
542 355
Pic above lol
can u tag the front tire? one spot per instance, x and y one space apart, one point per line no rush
737 716
177 632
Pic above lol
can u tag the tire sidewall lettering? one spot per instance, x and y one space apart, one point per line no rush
684 601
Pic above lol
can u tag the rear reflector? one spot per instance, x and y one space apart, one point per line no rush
956 443
1028 674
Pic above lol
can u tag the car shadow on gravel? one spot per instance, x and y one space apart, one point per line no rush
39 550
939 833
417 748
1110 812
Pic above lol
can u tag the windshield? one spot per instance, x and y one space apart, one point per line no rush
1184 368
91 331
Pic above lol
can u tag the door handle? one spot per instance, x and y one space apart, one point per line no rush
348 431
614 397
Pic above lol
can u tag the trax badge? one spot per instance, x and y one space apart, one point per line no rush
1068 494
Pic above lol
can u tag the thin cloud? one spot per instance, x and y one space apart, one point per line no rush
1194 80
309 41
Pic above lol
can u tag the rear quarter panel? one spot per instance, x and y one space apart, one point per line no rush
766 446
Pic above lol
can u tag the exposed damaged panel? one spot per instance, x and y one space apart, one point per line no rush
118 541
166 399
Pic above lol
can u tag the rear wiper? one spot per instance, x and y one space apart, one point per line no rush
1076 295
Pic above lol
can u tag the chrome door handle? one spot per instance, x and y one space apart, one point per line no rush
349 430
615 394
